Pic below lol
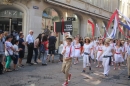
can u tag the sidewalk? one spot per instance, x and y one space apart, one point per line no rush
51 75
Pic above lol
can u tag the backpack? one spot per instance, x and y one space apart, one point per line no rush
1 68
42 48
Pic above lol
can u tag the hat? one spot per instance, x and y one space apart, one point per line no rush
69 37
129 39
122 41
87 38
107 40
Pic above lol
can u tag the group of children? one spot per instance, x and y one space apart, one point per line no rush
105 52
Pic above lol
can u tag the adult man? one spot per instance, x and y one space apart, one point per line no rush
128 59
47 31
30 45
22 46
52 42
1 52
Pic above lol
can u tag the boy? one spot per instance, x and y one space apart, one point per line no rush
16 53
68 54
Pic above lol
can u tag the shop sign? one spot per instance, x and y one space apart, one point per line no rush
35 7
68 27
71 19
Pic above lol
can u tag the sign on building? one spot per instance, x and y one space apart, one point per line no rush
71 19
68 27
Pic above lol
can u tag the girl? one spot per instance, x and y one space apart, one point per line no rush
106 53
37 43
118 54
86 54
99 50
59 52
77 51
45 43
8 51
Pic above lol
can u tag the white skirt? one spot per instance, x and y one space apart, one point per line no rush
118 58
77 53
98 53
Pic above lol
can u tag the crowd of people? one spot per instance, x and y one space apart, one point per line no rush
103 52
12 48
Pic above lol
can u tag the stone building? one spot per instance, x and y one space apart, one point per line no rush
37 14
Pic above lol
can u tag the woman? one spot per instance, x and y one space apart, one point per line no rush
106 53
86 54
37 44
77 52
8 52
99 50
44 57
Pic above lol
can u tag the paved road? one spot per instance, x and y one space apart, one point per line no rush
51 75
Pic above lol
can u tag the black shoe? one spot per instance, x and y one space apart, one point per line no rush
44 64
106 75
128 77
49 61
83 71
89 68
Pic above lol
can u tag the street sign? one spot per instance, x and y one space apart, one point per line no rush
35 7
71 19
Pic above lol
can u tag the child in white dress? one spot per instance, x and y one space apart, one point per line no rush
99 50
86 54
118 55
77 52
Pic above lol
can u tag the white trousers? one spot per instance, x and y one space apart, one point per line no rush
86 61
106 65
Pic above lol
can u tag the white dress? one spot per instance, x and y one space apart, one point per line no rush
99 50
77 50
118 56
92 49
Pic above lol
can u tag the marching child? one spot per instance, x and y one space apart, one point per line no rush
86 54
118 54
99 50
68 54
77 51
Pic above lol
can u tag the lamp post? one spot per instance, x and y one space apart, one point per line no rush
10 21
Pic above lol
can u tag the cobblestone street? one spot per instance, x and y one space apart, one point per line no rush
51 75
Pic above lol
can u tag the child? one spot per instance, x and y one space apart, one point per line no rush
68 54
86 54
59 52
16 53
77 51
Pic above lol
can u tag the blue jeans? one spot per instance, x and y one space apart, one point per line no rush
44 58
36 54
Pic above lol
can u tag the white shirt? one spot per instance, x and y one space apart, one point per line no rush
77 46
107 51
118 50
128 49
69 51
29 39
8 46
16 49
87 48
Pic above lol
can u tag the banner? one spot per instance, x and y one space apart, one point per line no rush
124 25
123 32
92 24
62 31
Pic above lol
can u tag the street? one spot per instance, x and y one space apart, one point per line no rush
51 75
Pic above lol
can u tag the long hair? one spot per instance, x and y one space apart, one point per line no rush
44 38
39 37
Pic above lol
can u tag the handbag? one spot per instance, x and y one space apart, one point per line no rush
13 57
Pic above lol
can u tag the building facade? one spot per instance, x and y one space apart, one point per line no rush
38 14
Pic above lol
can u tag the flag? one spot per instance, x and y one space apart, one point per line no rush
98 30
113 33
110 21
123 32
124 25
106 31
92 24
